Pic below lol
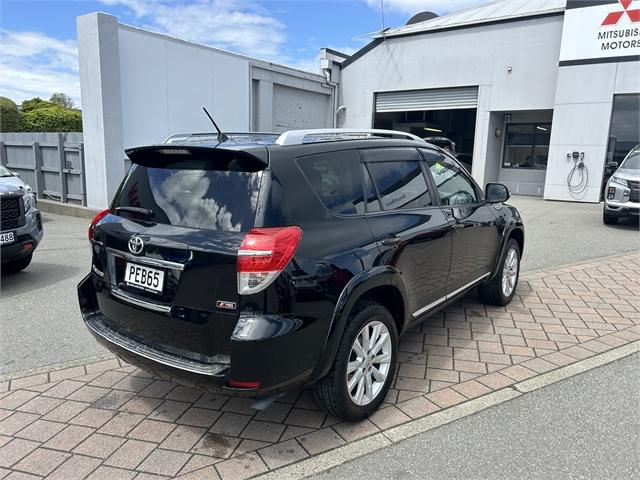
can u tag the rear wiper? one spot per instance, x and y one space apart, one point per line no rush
136 210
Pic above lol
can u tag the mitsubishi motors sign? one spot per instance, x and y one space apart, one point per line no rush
597 31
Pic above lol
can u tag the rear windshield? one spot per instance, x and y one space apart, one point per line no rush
191 195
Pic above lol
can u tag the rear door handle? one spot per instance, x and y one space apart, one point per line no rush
391 241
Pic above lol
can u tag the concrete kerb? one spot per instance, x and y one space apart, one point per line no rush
69 209
344 454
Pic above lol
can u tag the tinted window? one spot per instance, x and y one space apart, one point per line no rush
336 179
625 126
453 186
190 195
398 178
527 145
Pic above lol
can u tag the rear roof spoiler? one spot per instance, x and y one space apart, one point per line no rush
164 154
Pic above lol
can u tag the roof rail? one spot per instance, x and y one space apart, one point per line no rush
176 137
297 137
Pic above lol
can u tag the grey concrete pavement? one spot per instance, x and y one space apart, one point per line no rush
583 427
560 233
40 322
39 319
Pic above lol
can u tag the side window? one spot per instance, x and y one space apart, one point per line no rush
453 185
398 178
336 179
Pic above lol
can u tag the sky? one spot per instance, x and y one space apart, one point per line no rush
38 37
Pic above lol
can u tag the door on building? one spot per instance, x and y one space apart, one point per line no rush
445 117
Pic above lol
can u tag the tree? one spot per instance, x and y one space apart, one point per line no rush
51 118
9 115
61 99
34 103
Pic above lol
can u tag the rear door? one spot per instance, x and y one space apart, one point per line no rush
475 234
168 250
411 231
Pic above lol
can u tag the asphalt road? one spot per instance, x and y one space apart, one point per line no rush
40 322
560 233
586 427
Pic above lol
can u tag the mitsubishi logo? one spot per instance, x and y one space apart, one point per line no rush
136 245
614 17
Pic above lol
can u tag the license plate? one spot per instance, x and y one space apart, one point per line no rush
143 277
8 237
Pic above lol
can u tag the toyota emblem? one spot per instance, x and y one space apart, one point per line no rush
136 245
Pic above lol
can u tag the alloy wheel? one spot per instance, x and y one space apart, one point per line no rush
369 363
510 272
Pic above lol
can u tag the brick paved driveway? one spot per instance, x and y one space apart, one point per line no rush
110 420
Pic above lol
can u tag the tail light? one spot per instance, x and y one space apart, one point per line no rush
99 216
263 255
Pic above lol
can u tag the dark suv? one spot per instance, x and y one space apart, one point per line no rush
269 262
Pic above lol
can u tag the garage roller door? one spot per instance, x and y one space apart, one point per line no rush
434 99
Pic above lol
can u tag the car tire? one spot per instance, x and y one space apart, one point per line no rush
15 266
501 289
609 219
368 389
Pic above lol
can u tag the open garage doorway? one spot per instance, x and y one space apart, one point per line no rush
446 116
458 126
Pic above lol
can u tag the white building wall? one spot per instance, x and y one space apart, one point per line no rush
581 121
166 82
479 56
139 87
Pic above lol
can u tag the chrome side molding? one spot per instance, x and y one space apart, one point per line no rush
448 296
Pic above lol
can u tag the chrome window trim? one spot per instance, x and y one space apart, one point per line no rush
155 262
448 296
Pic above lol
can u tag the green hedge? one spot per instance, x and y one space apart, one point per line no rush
50 118
9 115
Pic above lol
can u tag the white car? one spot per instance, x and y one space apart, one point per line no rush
622 193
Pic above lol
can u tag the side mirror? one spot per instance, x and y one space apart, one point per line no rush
496 193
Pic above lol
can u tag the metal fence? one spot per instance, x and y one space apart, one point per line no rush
52 163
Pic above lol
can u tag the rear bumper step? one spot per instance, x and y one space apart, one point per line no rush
212 370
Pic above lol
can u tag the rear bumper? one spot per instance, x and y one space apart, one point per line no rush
27 238
262 349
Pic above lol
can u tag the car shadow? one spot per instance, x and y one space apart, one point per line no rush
35 276
627 223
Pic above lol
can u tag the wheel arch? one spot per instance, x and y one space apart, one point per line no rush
515 231
383 285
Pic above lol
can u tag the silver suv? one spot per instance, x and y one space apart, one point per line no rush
20 223
622 193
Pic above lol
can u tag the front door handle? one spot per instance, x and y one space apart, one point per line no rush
391 241
456 227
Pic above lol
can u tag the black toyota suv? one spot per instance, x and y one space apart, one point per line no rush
264 263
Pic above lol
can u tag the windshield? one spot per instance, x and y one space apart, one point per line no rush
4 172
632 162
